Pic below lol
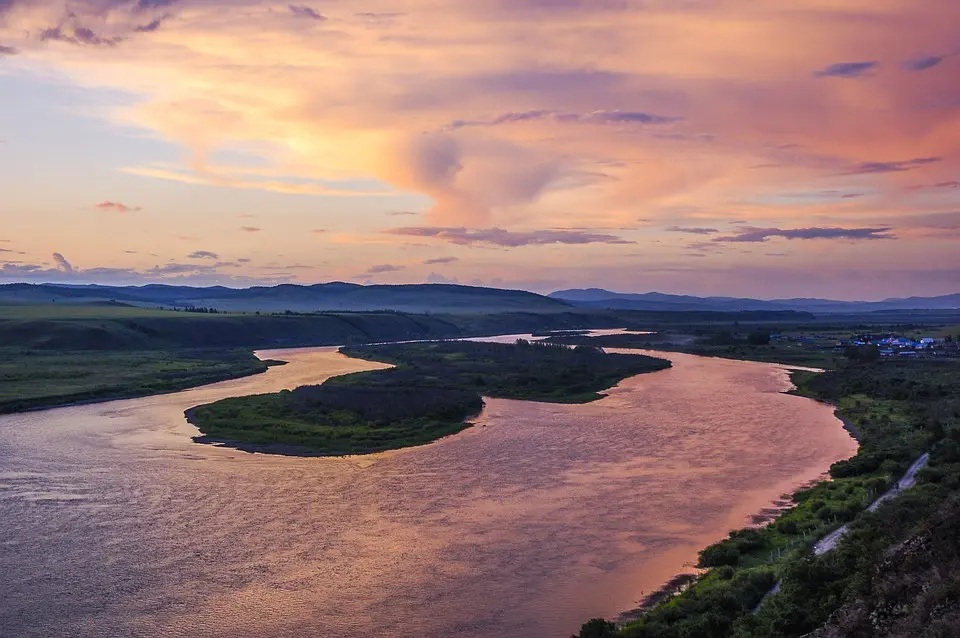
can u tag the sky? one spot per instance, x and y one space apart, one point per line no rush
710 147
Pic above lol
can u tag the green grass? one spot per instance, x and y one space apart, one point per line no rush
429 393
330 419
37 379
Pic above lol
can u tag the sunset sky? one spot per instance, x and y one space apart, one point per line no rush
710 147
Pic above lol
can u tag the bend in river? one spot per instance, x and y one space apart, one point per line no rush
114 523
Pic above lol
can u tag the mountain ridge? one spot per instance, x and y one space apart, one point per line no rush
331 296
598 298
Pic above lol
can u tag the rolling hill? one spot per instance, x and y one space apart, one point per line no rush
421 298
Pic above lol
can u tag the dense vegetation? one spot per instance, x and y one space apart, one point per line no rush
43 378
331 419
897 573
532 371
429 393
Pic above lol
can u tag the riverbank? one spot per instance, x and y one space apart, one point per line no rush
37 380
429 393
897 410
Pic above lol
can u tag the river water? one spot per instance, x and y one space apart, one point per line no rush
114 523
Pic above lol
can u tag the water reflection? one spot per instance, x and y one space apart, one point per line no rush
113 523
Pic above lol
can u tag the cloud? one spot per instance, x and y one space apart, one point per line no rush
923 63
441 260
400 213
383 268
5 50
80 36
116 207
847 70
150 27
762 234
891 167
505 238
948 184
179 269
692 231
319 231
303 11
203 254
594 117
250 229
63 265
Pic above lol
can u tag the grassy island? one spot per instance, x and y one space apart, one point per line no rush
431 391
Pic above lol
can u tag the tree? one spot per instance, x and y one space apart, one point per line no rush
597 628
758 338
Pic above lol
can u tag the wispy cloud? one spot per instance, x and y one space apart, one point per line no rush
691 231
948 184
383 268
923 63
441 260
203 254
507 239
80 36
891 167
116 207
62 264
593 117
5 50
303 11
763 234
848 70
250 229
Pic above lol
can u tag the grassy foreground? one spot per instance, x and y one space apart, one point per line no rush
428 395
897 573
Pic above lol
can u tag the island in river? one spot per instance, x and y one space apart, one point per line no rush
429 393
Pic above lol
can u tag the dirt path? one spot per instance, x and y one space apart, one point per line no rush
829 542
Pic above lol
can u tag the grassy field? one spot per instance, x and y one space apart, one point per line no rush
429 393
33 379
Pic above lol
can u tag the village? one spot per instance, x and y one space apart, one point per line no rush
888 345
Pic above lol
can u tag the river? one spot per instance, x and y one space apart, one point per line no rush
114 523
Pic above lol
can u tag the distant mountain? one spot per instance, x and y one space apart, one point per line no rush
435 298
599 298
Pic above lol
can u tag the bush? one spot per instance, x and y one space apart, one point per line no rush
597 628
